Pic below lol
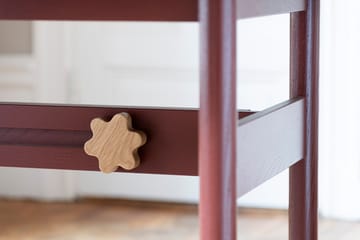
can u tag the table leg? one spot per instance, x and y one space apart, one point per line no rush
217 120
304 71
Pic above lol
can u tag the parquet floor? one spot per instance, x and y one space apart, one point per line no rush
117 219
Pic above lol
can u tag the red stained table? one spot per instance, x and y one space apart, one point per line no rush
231 151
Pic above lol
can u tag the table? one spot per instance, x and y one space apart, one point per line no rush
203 142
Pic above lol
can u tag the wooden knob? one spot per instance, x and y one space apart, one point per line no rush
115 143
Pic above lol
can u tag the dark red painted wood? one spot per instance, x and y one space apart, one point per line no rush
66 117
44 136
125 10
59 133
132 10
217 120
304 68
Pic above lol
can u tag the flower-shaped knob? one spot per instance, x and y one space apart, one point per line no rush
115 143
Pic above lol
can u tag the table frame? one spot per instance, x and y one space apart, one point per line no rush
217 117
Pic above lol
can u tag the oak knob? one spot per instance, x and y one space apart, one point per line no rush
115 143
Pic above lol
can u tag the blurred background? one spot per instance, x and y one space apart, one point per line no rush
156 64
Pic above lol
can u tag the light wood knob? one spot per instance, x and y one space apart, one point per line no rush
115 143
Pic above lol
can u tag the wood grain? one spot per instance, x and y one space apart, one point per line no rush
115 143
99 219
268 143
217 119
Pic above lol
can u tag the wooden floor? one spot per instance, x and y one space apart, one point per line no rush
125 220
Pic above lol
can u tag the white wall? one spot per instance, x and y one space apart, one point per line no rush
339 110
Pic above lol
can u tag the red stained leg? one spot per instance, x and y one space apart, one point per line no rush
304 68
217 120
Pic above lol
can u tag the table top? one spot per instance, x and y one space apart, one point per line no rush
134 10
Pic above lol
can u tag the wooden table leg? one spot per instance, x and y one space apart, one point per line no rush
217 120
304 71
